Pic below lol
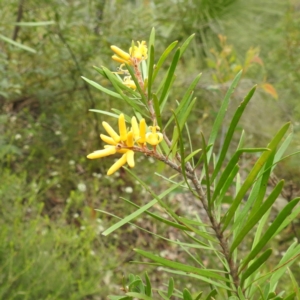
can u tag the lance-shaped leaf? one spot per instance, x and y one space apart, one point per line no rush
222 111
231 130
231 165
163 58
101 88
257 216
186 44
179 266
138 212
115 82
168 80
211 295
148 288
270 232
158 218
187 295
185 99
150 70
170 287
14 43
137 83
253 174
256 265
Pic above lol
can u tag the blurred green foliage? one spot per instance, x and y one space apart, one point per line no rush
46 129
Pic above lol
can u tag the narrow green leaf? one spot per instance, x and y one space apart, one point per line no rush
253 174
231 165
256 265
207 178
185 99
191 155
115 83
139 296
30 24
14 43
222 111
186 43
170 287
257 216
231 130
199 296
226 185
148 288
103 112
270 232
150 69
180 266
138 212
160 219
167 83
182 118
212 294
163 58
101 88
187 295
198 277
139 88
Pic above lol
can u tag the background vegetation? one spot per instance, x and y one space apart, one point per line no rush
51 247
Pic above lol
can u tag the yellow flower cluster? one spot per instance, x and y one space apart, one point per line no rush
124 141
135 55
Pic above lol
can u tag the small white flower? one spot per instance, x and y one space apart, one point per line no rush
81 187
54 173
71 162
128 190
75 216
82 227
57 132
18 136
25 147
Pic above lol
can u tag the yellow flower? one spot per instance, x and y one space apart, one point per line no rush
135 128
154 138
122 56
102 153
143 127
122 128
117 143
111 132
139 52
118 164
129 82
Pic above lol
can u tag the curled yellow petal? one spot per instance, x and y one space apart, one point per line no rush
143 127
135 127
154 138
118 59
111 132
130 158
129 82
120 52
129 141
122 128
118 164
102 153
107 139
